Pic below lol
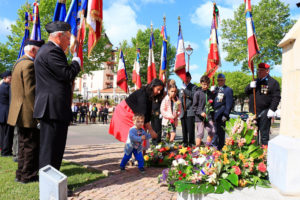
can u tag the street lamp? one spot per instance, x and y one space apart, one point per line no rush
189 51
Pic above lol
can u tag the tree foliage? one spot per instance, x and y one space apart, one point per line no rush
10 50
272 21
142 41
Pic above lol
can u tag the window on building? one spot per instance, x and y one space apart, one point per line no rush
107 97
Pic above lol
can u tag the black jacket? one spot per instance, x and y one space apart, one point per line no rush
140 102
54 77
199 104
4 102
189 92
267 94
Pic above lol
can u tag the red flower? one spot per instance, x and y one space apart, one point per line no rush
184 175
262 167
180 146
152 154
179 172
252 141
237 170
184 156
178 156
171 155
188 148
180 178
162 149
160 160
246 165
172 121
210 101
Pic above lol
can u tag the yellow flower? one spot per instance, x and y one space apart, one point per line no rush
251 159
242 182
232 153
226 161
146 158
225 155
167 148
225 148
183 150
241 156
175 147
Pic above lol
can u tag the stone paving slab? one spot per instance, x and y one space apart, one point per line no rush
128 185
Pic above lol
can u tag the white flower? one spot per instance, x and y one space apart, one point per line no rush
201 160
196 149
181 161
174 163
212 178
158 146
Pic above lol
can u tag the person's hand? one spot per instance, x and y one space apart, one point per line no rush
212 88
253 84
203 114
77 59
224 119
271 113
143 137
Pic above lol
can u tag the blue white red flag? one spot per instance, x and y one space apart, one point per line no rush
151 71
81 29
121 74
60 11
213 60
136 78
253 49
26 35
163 63
179 67
73 19
36 29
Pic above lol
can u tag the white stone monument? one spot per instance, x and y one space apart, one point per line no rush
53 184
284 150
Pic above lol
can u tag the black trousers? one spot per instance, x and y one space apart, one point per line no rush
74 116
219 138
188 130
81 118
28 155
7 136
156 125
53 137
264 125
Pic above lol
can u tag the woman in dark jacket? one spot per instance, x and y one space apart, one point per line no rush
139 101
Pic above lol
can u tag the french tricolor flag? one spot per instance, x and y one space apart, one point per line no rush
136 78
121 74
179 67
253 49
151 72
163 63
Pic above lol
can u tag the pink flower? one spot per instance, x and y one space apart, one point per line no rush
179 172
246 165
172 121
184 175
180 178
210 101
237 170
252 141
262 167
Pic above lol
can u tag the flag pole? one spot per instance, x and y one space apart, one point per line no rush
165 72
254 96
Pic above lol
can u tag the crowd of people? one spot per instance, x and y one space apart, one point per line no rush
36 98
84 113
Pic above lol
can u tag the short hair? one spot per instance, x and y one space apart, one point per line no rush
138 116
205 79
30 47
54 34
188 74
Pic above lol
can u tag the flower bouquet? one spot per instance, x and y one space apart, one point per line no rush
205 170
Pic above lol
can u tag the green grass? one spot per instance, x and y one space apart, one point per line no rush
11 190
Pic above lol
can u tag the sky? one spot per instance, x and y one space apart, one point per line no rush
123 18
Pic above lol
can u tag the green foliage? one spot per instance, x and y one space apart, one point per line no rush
9 51
142 41
78 176
272 21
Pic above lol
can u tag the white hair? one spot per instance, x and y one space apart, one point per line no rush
54 34
30 47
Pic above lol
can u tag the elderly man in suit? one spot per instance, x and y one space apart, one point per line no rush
6 131
187 117
54 77
21 113
222 106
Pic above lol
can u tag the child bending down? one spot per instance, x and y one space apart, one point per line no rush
170 110
137 135
202 102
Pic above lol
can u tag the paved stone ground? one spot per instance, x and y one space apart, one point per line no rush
128 185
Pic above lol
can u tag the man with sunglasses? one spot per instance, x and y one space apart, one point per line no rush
267 92
222 106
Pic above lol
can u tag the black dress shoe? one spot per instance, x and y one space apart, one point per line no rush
34 179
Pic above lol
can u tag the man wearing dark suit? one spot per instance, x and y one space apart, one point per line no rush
222 106
21 113
267 95
54 77
187 117
6 131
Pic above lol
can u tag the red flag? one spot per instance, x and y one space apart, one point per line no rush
121 74
213 60
179 67
151 72
81 30
94 22
136 78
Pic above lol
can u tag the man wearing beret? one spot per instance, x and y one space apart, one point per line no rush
54 77
267 92
222 106
6 131
21 113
